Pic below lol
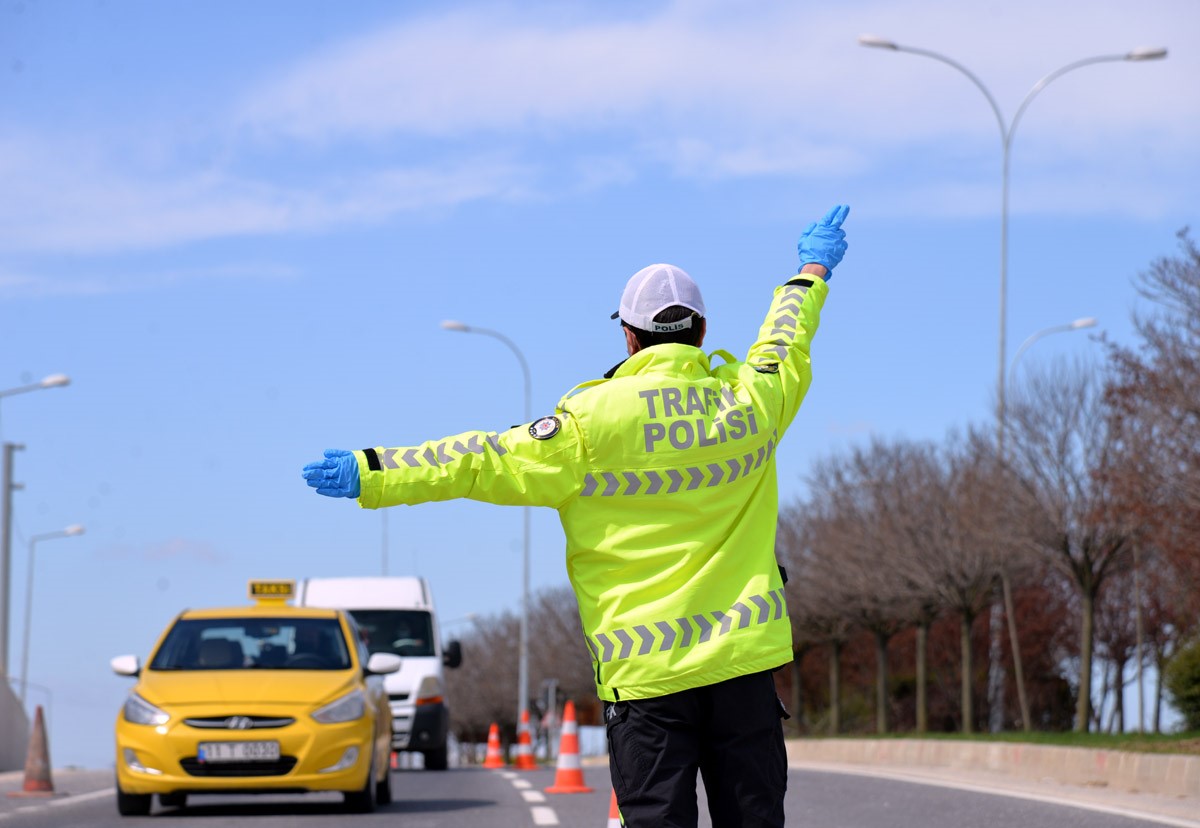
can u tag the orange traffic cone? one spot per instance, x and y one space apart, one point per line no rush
494 758
37 762
614 813
525 760
569 776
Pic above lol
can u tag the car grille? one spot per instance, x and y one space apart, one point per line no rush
397 697
195 767
239 722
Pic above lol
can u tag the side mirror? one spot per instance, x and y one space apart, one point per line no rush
452 654
126 665
383 663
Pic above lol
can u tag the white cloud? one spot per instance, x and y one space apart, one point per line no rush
103 282
493 102
61 199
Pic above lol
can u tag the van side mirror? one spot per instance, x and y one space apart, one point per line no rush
452 654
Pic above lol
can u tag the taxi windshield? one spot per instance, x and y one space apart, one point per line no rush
253 644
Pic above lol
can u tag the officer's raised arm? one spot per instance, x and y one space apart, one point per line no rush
782 345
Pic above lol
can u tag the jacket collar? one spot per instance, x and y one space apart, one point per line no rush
673 359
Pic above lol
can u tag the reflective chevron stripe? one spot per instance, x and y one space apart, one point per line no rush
679 633
437 455
671 481
784 325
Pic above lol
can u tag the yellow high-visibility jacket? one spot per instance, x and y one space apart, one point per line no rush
664 479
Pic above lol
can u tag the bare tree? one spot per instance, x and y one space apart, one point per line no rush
814 590
960 559
1063 449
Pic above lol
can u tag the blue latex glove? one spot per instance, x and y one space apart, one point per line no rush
335 476
824 242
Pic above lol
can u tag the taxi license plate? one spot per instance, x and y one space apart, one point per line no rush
238 752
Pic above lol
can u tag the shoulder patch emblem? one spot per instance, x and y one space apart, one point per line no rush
545 428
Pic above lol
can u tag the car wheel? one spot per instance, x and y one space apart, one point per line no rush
363 801
435 759
132 804
173 800
383 791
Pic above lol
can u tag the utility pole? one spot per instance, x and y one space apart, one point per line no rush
7 487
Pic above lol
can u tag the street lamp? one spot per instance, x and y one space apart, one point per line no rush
74 529
1078 324
523 646
51 381
1006 137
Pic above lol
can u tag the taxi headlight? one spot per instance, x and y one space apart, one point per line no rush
140 711
349 707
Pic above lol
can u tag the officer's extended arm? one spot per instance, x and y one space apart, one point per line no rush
529 465
783 342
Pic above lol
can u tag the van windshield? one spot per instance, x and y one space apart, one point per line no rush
402 632
253 643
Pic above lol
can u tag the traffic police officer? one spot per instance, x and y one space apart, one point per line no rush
663 474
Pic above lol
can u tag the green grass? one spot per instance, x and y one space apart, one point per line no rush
1188 742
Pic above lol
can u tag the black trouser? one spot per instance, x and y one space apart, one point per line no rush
731 732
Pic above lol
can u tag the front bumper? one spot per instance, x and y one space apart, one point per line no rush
313 757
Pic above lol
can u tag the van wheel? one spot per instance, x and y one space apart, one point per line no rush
363 801
132 804
435 759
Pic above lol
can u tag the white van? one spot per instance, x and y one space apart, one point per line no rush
397 616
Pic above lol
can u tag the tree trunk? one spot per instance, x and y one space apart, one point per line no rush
1087 619
881 682
835 688
1119 697
1158 694
922 679
968 709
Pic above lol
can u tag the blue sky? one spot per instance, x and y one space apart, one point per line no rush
237 227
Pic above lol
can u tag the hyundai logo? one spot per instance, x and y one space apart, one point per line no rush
239 723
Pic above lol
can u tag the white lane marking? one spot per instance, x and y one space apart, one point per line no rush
56 803
533 796
508 774
522 783
1131 813
544 816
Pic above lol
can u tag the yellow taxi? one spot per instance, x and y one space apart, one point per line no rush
266 698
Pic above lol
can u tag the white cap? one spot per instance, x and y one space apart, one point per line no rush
652 290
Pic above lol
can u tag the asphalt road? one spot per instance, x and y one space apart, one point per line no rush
476 798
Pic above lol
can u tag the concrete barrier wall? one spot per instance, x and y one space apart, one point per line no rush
14 730
1165 774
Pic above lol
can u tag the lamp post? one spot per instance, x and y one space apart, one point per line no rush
70 531
1078 324
523 644
7 487
1006 138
